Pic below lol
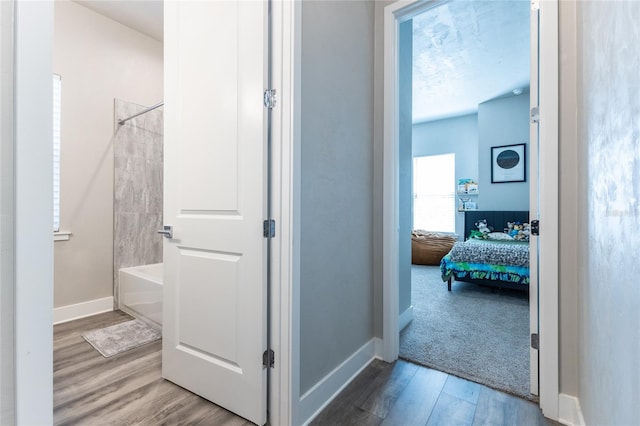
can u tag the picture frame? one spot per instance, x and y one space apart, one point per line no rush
508 163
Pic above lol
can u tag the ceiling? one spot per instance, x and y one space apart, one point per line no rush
466 53
145 16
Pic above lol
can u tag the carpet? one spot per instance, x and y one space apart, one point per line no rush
121 337
474 332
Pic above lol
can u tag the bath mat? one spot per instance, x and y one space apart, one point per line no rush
121 337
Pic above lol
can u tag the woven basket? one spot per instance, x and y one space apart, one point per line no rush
428 248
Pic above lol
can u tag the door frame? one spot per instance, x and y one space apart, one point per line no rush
548 195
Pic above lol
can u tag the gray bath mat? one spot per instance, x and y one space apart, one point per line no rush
121 337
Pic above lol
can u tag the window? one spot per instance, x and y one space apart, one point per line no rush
57 95
434 193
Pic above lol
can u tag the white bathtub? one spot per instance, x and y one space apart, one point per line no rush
140 292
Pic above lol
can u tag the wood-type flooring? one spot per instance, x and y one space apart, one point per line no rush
125 389
403 393
128 389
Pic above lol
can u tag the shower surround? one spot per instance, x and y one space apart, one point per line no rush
137 204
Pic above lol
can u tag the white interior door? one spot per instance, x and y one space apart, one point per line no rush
215 317
534 201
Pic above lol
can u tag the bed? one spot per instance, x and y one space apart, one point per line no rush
503 264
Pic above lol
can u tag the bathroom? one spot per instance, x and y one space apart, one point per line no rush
110 174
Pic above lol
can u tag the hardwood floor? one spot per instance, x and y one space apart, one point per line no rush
126 389
408 394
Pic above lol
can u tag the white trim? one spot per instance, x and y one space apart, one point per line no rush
548 301
319 396
405 318
284 377
81 310
61 236
548 195
390 278
569 411
294 192
33 210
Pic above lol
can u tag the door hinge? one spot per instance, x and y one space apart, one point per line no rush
269 228
268 358
535 227
535 115
535 341
269 98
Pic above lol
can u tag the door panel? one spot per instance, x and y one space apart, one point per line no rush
214 319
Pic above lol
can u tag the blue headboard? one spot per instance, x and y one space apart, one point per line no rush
497 219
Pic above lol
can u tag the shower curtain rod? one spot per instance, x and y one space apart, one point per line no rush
151 108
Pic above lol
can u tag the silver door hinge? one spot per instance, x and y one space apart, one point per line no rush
535 115
535 227
269 228
535 341
268 358
269 98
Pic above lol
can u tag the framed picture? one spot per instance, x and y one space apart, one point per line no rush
508 163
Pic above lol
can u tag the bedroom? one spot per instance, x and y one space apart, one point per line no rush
470 75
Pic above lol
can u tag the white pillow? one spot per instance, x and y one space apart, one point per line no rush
499 236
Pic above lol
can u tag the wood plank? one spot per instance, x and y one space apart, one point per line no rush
496 407
97 367
84 397
79 326
416 402
387 387
452 411
336 411
463 389
124 389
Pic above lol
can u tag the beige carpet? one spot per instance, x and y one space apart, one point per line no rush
477 333
112 340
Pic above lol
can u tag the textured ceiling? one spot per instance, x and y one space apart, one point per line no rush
468 52
145 16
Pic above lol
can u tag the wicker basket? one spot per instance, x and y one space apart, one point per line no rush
428 248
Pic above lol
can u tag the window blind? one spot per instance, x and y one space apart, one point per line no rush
57 106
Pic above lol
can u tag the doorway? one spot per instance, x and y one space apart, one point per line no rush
468 65
544 33
32 345
213 201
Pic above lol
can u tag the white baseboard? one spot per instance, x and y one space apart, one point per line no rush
81 310
405 318
569 411
319 396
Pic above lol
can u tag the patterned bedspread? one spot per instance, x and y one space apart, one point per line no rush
513 253
489 260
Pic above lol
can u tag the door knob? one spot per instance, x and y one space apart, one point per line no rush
167 231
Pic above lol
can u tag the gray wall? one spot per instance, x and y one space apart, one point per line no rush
137 189
336 290
503 121
458 135
609 131
405 160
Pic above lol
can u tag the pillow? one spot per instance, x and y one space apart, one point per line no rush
499 236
